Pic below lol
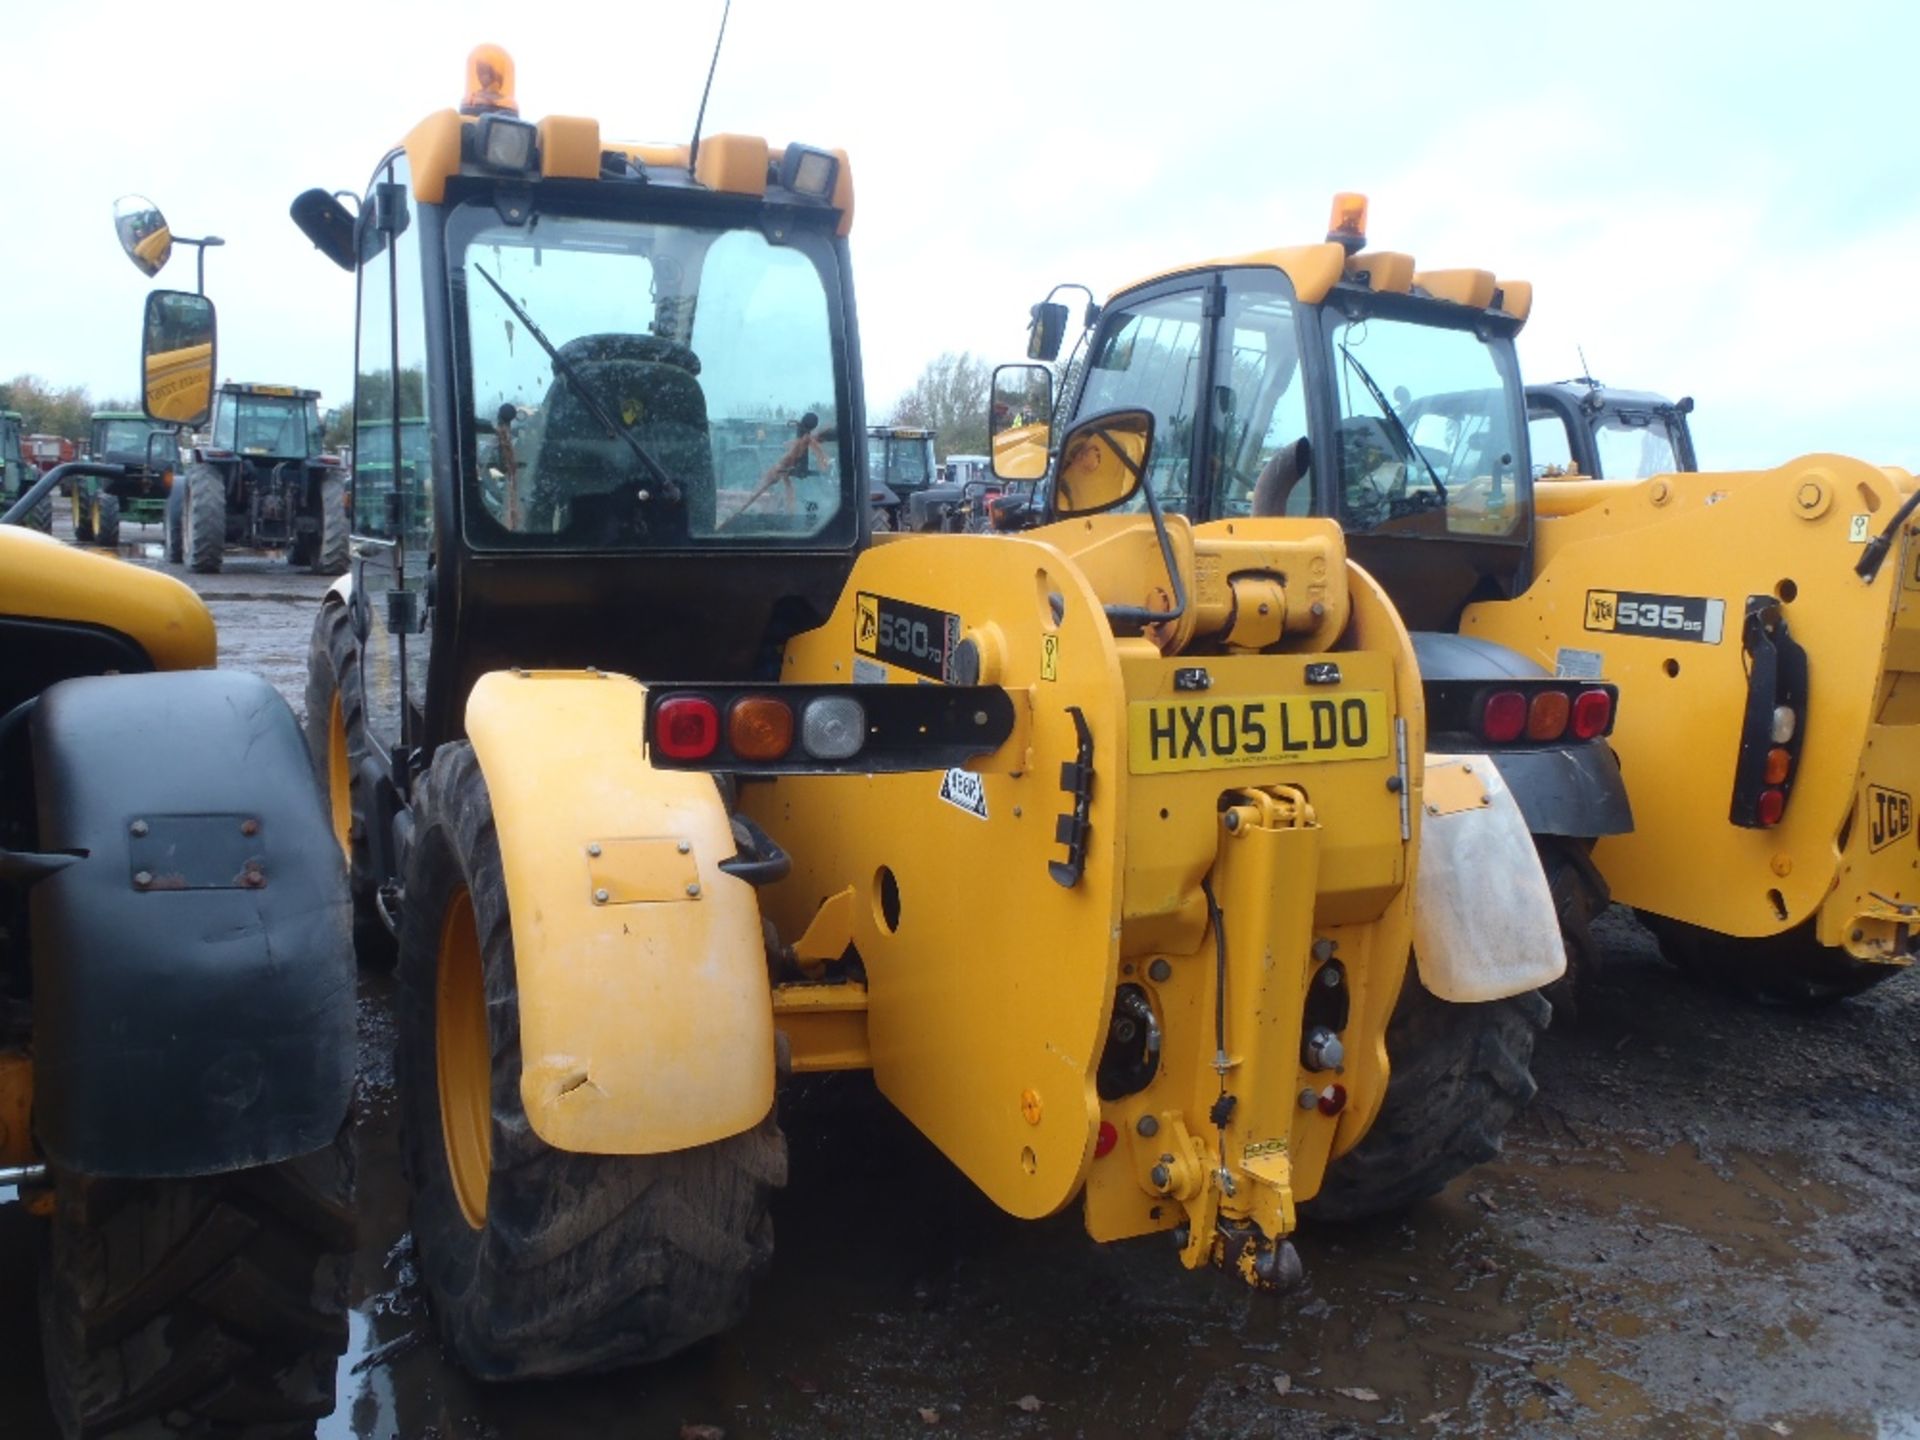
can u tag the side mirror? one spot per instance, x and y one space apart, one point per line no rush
1103 462
177 357
1045 330
325 221
143 233
1020 406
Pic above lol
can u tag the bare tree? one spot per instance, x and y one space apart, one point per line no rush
951 397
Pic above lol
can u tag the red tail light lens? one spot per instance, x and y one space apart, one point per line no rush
1772 805
686 727
1547 715
759 727
1592 714
1504 716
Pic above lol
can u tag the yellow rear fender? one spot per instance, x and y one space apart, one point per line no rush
646 1021
1484 923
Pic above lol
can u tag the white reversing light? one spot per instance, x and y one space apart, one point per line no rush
833 727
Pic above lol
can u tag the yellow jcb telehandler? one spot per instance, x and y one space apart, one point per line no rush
662 775
1761 652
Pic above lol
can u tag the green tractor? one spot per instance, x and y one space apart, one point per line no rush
146 453
16 474
261 482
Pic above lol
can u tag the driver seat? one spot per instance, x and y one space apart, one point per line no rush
646 382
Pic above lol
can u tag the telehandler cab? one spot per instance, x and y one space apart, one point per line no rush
1583 429
176 1001
662 774
1738 615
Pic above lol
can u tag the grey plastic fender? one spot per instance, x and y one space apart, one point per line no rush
193 970
1484 922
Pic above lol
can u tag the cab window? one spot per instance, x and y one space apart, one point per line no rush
1261 458
1148 358
1547 444
1428 436
1634 447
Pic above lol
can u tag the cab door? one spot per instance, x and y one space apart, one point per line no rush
393 454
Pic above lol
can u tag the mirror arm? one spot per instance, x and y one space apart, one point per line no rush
1140 614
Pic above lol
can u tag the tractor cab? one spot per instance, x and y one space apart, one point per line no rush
266 422
1581 428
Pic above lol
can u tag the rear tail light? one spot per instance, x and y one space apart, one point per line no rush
1592 714
1504 716
1547 715
1105 1140
686 727
1773 723
802 729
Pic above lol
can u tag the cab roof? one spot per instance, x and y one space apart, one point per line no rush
1314 271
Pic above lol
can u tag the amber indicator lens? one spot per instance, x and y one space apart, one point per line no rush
1547 715
1779 762
760 727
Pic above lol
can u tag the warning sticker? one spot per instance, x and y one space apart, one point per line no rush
1571 664
867 672
964 790
1049 657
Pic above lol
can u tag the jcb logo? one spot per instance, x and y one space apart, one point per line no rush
1889 816
1602 607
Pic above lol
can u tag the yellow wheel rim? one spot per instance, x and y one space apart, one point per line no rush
96 521
464 1055
339 779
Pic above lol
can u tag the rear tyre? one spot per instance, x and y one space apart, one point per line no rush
176 524
1579 896
41 516
211 1306
541 1261
106 521
337 742
1460 1075
330 554
82 516
1793 970
206 519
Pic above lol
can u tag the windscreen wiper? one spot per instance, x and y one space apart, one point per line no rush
1400 425
615 430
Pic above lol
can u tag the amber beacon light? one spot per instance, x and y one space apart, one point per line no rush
489 83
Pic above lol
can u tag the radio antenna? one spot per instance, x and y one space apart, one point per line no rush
1586 371
693 149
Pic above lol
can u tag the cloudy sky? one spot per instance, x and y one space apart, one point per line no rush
1720 200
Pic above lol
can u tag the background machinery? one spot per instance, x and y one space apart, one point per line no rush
18 471
147 454
1583 428
261 481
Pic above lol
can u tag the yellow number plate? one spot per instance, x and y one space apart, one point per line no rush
1210 734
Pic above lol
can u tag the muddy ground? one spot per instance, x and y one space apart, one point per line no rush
1705 1226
